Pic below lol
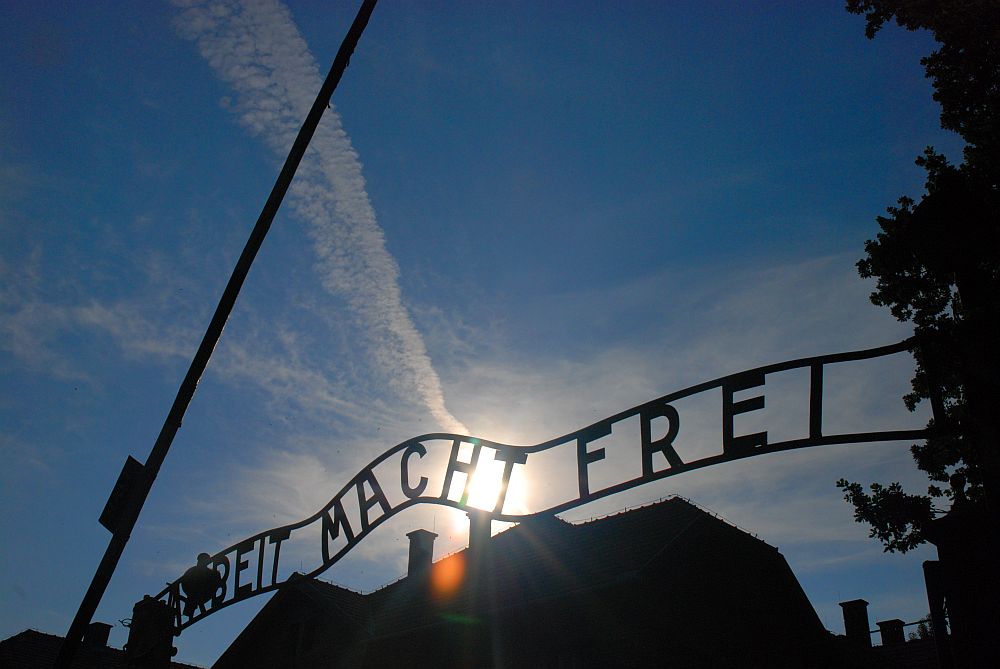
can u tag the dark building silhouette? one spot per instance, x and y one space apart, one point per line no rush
31 649
896 651
662 585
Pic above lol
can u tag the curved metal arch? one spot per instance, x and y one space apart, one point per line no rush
338 525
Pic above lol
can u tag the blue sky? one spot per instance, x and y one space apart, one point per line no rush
517 218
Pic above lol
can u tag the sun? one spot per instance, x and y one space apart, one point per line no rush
484 489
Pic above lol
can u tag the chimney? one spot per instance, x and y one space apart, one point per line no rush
856 622
421 552
97 635
480 526
892 632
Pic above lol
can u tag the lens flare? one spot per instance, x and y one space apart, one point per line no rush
447 576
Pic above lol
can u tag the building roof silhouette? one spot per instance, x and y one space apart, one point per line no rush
32 649
663 581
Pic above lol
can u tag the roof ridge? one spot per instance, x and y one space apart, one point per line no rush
106 648
673 497
718 516
630 509
324 581
36 631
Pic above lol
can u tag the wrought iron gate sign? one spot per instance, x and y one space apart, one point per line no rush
251 567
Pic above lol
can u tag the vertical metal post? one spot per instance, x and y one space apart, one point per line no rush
933 581
142 485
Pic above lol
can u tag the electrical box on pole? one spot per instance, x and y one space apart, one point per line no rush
118 513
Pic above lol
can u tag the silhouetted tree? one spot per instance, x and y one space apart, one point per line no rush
924 629
937 265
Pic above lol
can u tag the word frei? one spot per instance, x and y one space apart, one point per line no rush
399 479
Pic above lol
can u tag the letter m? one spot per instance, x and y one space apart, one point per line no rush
331 527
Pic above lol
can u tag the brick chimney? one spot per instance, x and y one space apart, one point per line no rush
856 622
97 635
891 631
480 527
421 552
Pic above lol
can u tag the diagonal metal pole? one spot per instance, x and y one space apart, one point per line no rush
142 483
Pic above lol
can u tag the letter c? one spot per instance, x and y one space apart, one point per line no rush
404 471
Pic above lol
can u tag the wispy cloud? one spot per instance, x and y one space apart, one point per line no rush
255 47
36 319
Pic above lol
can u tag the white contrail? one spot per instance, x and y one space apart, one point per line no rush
255 47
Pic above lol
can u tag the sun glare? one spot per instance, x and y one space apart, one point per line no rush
485 489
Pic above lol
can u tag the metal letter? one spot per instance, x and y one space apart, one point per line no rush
331 528
456 465
816 400
585 457
744 444
260 564
404 471
220 595
276 537
239 591
664 445
509 457
365 503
